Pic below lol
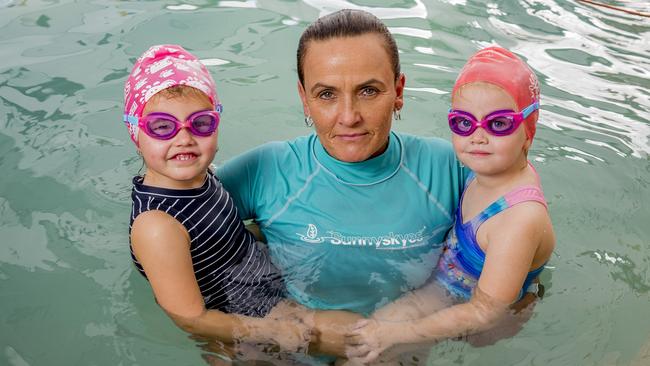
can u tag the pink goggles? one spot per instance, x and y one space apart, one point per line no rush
164 126
497 123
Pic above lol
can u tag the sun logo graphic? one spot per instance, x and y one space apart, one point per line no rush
312 235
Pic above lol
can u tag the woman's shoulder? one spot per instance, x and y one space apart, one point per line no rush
433 144
264 163
277 150
427 151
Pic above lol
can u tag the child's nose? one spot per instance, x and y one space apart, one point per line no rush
184 136
479 136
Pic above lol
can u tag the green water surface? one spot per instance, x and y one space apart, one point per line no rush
68 292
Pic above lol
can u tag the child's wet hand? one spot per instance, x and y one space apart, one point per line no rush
367 340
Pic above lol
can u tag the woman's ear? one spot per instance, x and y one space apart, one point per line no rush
303 98
399 91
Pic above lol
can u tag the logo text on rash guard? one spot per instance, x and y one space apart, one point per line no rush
390 240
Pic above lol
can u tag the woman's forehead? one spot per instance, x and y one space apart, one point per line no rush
365 55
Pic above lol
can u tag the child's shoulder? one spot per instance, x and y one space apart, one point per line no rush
524 224
156 226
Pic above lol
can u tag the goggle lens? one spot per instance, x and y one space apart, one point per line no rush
161 127
205 124
461 125
501 125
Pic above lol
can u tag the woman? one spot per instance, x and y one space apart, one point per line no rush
354 214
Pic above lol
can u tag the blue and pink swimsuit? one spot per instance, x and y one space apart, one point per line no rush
462 259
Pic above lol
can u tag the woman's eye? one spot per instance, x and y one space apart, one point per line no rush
369 91
326 94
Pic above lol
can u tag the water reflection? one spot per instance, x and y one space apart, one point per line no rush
418 10
624 269
595 67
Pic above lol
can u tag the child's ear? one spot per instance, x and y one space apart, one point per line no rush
527 145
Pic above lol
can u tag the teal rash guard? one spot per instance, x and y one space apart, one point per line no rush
349 236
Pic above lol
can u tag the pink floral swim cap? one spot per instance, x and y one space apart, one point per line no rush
159 68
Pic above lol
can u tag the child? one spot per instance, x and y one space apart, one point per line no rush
206 270
186 236
502 236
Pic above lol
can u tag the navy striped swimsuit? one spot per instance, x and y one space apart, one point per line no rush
234 272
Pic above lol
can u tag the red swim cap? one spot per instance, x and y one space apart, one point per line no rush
498 66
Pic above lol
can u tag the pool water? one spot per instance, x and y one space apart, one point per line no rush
69 294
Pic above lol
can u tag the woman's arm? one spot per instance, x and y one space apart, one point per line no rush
509 255
162 246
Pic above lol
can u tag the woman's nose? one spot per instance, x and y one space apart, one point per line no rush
349 112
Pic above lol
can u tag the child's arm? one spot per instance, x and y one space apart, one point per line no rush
510 253
161 244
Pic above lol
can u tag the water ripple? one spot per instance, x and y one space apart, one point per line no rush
419 10
593 60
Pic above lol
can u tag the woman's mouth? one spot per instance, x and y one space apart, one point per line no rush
352 137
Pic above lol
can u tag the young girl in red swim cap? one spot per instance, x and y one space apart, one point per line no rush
502 236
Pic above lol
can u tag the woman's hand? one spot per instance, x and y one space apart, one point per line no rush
369 338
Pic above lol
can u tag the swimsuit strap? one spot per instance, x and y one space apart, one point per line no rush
524 194
493 209
468 179
518 195
527 193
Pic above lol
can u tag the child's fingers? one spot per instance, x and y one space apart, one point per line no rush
370 357
359 351
354 339
360 324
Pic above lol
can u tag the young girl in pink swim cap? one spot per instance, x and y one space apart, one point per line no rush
206 270
502 235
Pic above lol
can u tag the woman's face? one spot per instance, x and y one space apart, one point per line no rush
350 92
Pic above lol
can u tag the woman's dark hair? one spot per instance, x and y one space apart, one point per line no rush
346 23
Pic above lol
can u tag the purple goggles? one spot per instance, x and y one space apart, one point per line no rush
164 126
497 123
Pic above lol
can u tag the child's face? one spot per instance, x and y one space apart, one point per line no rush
482 152
180 162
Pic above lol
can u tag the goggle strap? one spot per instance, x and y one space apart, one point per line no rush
133 120
530 109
